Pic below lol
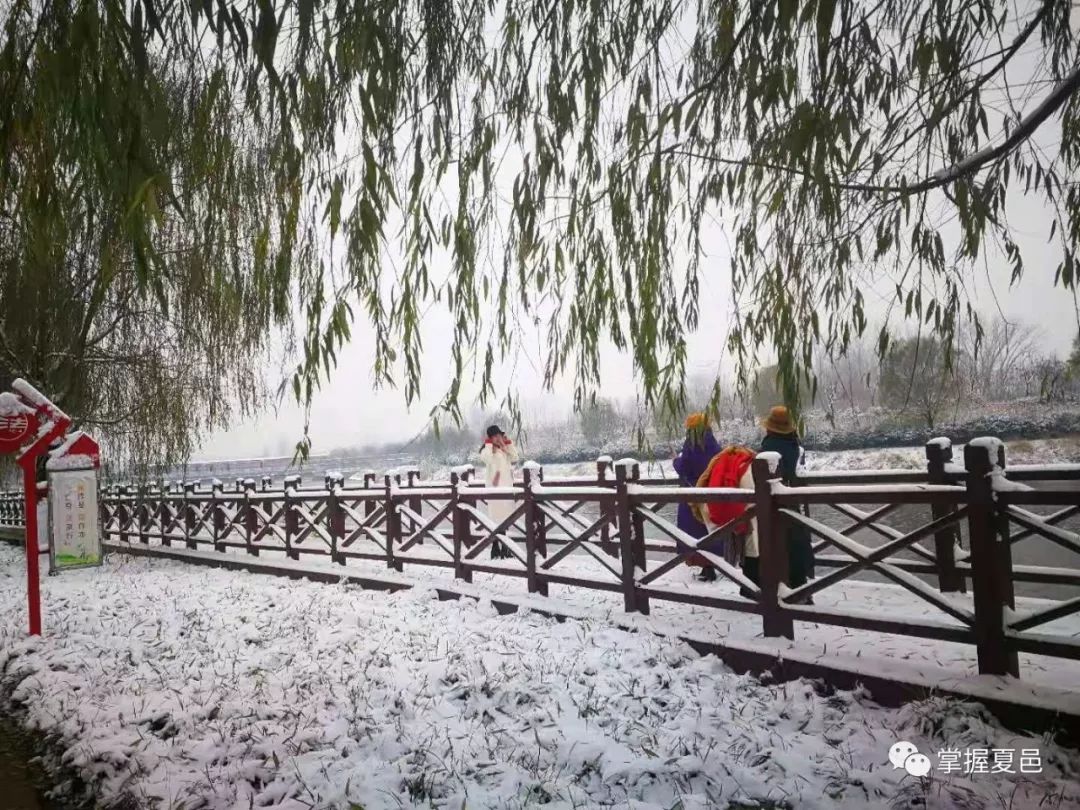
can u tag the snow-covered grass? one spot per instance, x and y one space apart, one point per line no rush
921 660
185 687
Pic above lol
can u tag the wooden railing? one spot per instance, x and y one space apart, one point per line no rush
617 521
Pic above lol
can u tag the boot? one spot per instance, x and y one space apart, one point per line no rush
708 574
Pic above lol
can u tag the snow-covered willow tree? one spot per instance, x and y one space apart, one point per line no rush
554 163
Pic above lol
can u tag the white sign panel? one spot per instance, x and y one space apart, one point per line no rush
73 519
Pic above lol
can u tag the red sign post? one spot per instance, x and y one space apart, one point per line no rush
29 423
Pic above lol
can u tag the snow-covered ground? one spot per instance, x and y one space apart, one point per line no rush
184 687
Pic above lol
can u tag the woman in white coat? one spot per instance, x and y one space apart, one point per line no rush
498 455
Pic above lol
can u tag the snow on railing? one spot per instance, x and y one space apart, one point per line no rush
773 460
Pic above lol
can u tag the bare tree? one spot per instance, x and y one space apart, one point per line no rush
916 376
996 371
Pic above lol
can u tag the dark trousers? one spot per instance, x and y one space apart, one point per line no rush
800 562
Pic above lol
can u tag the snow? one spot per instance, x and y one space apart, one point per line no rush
571 492
941 441
773 459
840 492
77 461
29 393
1039 467
531 465
66 443
603 460
692 492
1002 484
231 690
627 462
991 444
11 405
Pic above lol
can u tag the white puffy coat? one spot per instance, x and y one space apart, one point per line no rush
499 472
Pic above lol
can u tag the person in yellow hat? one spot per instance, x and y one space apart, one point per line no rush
699 447
782 436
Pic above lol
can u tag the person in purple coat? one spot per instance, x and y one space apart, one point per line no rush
697 451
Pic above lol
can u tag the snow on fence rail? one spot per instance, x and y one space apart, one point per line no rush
601 521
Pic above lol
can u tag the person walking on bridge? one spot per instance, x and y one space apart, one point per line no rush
782 436
698 448
498 455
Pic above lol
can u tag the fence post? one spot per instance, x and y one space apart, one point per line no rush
189 515
292 517
639 527
532 474
950 580
412 475
143 516
466 479
991 568
1005 562
251 524
369 483
122 515
335 518
541 524
632 600
218 515
772 549
603 464
393 524
165 515
266 482
459 528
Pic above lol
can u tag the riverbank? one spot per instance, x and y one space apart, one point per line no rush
1064 450
875 429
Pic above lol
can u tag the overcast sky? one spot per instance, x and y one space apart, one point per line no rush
347 411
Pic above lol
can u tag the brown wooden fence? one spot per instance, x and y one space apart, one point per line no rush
620 521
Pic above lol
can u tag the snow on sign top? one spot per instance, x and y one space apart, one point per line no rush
11 405
75 461
68 443
35 397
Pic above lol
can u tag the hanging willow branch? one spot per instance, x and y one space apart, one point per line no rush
559 163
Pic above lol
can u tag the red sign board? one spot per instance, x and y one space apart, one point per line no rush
78 451
18 423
